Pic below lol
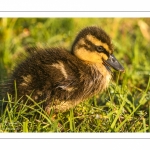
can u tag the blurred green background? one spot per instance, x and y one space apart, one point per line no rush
130 36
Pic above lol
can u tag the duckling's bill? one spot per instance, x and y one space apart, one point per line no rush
113 62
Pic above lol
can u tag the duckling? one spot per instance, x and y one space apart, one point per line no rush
62 78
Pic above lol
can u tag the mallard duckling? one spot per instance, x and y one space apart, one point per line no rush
64 79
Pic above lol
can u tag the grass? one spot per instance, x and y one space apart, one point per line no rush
123 107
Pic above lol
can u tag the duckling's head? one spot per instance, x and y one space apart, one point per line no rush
93 45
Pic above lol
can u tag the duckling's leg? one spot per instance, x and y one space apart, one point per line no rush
61 105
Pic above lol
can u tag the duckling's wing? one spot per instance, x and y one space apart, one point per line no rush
63 75
63 69
53 72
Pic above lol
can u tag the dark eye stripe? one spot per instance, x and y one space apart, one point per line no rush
95 47
105 52
90 46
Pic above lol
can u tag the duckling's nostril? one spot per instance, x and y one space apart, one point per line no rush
113 60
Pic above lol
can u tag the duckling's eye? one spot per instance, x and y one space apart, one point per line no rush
100 49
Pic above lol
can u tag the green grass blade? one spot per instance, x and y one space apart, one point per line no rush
118 114
25 126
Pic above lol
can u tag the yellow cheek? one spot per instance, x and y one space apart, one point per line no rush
104 56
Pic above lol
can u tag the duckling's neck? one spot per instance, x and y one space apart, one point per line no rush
100 68
105 73
97 78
